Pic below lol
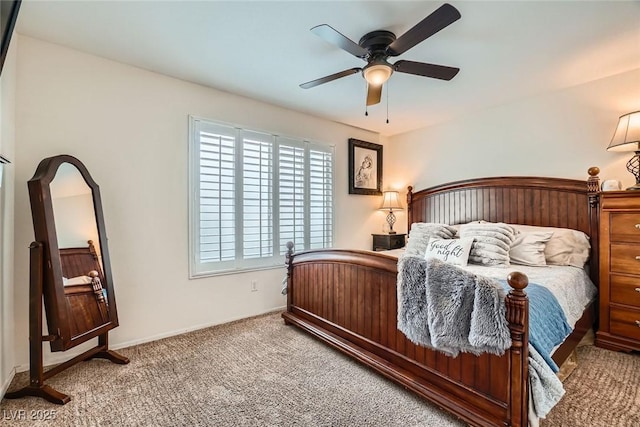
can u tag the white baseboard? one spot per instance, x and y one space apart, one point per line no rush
64 356
7 382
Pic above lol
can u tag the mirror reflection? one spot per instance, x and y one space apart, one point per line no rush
73 208
79 247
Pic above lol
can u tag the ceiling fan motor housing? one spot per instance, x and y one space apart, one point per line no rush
378 70
376 42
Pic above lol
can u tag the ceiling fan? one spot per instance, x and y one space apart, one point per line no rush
377 46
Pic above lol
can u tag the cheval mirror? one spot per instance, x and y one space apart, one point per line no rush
70 269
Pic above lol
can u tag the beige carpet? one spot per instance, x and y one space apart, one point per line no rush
259 372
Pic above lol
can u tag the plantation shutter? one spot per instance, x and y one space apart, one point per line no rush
291 166
320 197
257 195
216 193
251 193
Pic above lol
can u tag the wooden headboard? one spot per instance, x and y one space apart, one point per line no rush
551 202
80 261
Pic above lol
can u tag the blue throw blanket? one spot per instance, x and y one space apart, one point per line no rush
548 325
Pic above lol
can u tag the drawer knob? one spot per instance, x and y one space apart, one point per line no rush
638 226
638 258
638 323
637 289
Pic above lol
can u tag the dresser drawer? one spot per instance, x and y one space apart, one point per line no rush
625 290
625 258
625 227
625 323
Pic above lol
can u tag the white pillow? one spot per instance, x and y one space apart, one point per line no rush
78 280
420 234
492 242
452 251
528 248
566 246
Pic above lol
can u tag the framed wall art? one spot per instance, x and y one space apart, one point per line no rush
365 168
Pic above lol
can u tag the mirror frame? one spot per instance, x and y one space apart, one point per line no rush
57 313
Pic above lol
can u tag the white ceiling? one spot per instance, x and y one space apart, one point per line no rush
264 49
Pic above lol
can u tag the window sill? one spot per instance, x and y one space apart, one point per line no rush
193 276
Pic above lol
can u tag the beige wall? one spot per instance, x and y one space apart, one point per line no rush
130 127
7 149
557 134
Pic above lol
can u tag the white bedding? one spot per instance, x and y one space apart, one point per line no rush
571 286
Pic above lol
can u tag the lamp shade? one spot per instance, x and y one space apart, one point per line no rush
390 200
627 134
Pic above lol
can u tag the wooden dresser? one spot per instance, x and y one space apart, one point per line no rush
619 325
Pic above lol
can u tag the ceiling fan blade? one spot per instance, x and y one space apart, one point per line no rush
331 35
329 78
442 17
374 93
427 70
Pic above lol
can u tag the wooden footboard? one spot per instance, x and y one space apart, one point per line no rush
348 299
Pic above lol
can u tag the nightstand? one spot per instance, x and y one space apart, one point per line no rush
385 242
619 325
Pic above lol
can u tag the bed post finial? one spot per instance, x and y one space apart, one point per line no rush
92 249
518 317
593 192
593 183
286 282
517 305
287 259
409 209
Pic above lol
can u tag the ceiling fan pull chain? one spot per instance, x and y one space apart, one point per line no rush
388 103
366 105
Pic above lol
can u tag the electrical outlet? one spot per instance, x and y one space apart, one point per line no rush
254 286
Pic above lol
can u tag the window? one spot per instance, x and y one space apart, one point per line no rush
250 193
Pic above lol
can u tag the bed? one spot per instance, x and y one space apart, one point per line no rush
84 295
348 298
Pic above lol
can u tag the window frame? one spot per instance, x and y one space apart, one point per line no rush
198 269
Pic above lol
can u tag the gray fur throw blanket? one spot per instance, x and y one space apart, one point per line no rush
446 308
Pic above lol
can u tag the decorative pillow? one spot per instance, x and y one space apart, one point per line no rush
566 246
457 227
452 251
528 248
492 242
420 234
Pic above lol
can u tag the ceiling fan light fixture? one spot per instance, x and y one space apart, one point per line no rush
377 74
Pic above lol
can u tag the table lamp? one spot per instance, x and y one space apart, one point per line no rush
627 138
390 201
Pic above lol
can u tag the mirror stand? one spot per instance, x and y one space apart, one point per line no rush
37 374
